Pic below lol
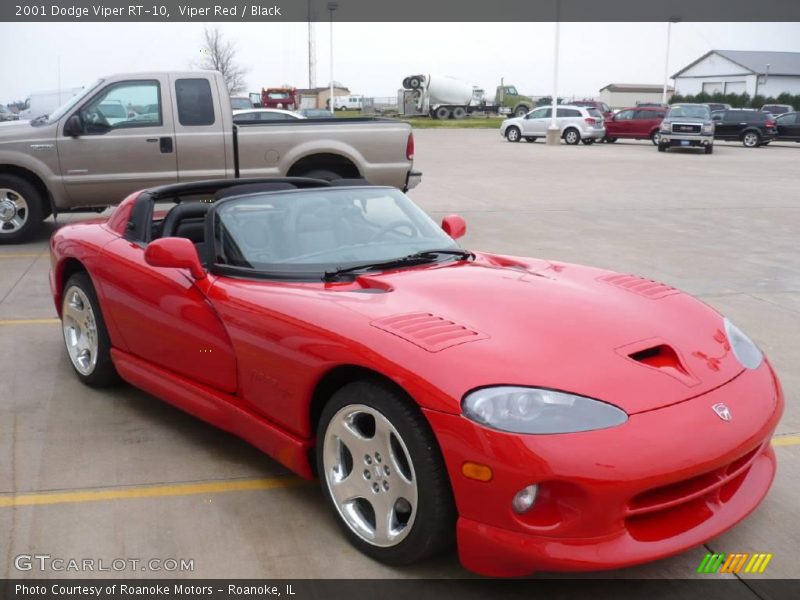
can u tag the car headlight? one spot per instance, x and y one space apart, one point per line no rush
746 352
539 411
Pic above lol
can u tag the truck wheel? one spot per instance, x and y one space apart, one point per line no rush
21 209
459 112
572 137
325 174
513 134
751 139
655 137
414 83
709 149
442 113
406 84
662 147
521 111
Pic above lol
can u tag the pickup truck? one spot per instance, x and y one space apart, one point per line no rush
175 127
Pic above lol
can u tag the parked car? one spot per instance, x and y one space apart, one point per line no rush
715 106
577 124
315 113
241 103
638 123
603 108
342 332
75 159
260 115
777 109
5 114
788 126
687 126
752 127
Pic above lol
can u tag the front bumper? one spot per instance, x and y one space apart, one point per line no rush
680 139
663 482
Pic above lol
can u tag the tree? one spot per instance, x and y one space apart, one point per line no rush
220 55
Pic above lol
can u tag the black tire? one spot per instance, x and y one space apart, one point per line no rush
610 140
459 112
414 83
655 137
325 174
22 209
588 141
406 84
530 139
571 136
103 373
751 139
433 528
662 148
521 110
513 134
709 149
442 113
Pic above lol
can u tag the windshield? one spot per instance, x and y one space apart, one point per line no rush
69 104
688 111
241 103
310 232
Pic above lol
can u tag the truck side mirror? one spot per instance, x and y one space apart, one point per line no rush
73 127
455 226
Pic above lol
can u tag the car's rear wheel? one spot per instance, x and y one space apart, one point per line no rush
513 134
530 139
85 334
21 209
383 474
610 140
751 139
655 137
572 137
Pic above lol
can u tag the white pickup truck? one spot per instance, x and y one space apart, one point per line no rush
138 130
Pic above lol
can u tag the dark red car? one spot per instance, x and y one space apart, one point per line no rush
637 122
542 415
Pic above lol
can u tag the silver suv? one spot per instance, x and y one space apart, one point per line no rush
577 124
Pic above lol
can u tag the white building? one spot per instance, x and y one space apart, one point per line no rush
738 71
623 95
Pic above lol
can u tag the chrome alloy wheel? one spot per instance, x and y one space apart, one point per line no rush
13 211
370 476
80 330
750 140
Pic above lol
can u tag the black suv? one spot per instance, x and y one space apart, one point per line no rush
752 127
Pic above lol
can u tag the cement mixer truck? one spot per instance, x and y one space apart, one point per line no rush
444 97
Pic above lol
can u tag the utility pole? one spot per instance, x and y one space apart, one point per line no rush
332 6
553 135
666 60
312 54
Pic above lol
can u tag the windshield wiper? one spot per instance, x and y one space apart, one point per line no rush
418 258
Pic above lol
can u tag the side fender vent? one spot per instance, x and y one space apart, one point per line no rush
639 285
428 331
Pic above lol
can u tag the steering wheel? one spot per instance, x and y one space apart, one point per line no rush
96 118
395 226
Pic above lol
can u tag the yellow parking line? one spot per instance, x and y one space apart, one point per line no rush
150 491
786 440
23 255
28 321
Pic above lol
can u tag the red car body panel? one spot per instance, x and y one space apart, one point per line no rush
644 123
251 355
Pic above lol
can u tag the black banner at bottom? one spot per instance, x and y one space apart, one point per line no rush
390 589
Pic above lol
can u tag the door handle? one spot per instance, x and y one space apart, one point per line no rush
151 140
165 145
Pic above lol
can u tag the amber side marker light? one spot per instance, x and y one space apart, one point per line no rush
476 471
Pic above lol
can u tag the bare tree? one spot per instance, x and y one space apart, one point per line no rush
220 55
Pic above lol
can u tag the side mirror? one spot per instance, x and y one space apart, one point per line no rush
455 226
73 127
174 253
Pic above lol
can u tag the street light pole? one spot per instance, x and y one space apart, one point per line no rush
312 58
553 136
332 6
666 61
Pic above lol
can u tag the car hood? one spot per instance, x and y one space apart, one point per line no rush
623 339
14 131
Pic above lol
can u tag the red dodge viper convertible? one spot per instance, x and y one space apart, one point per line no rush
545 416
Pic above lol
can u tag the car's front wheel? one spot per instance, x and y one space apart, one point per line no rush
513 134
655 137
85 334
383 474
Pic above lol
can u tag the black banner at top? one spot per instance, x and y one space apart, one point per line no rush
399 10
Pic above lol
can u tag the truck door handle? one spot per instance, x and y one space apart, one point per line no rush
151 140
165 145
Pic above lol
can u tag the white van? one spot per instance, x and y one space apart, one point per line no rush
44 103
351 102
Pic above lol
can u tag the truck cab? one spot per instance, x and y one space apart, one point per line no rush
509 98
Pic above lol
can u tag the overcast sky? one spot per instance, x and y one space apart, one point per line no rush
373 58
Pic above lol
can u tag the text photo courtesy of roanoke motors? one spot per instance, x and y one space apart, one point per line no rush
302 296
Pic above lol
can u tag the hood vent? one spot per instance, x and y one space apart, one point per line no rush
428 331
639 285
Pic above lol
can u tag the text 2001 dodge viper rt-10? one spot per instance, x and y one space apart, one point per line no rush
546 416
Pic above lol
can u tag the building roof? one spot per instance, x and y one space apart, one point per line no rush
636 88
317 90
756 61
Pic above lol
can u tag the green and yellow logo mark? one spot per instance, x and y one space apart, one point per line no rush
742 562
